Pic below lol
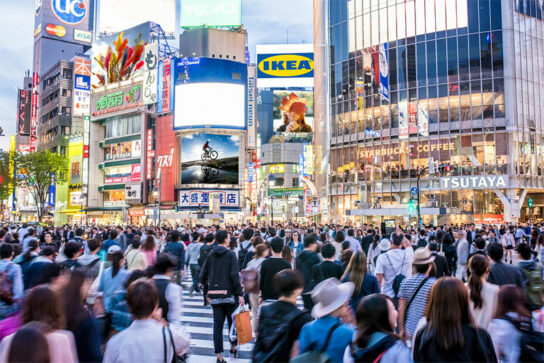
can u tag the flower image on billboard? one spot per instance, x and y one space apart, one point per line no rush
210 159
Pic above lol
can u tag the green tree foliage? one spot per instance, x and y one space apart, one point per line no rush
40 170
6 175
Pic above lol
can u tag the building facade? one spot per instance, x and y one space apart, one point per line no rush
447 91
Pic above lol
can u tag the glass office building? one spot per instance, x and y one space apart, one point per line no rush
449 90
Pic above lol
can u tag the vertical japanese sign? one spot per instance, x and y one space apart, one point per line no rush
150 154
23 112
384 71
34 113
251 107
166 85
85 174
82 87
150 74
403 119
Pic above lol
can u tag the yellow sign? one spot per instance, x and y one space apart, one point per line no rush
286 65
277 169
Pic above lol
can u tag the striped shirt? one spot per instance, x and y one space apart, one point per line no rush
419 304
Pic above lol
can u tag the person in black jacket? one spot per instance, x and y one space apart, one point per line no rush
442 268
220 273
43 270
328 268
304 263
176 249
367 240
501 273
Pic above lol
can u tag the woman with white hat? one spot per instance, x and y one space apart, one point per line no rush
374 252
331 332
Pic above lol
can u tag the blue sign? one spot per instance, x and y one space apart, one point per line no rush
70 12
193 70
51 196
82 82
384 71
413 190
286 65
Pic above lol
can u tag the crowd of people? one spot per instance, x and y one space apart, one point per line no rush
114 294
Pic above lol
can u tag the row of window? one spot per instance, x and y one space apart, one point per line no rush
123 126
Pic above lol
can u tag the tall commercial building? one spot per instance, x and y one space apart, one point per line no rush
446 90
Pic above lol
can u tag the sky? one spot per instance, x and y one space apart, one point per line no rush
267 22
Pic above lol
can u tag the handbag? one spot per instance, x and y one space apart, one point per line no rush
244 333
250 280
176 358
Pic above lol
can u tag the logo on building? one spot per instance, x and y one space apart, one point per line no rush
70 12
475 182
83 36
57 30
38 7
286 65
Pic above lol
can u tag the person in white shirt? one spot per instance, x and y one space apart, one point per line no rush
170 294
354 244
149 338
483 295
397 261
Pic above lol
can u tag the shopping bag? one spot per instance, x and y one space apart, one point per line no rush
244 332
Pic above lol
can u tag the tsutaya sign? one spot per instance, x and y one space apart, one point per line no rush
474 182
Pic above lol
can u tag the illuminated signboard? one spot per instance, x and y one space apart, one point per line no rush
128 97
474 182
285 65
82 87
23 112
277 169
34 113
195 13
201 197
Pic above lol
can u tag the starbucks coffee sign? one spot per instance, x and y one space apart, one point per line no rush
474 182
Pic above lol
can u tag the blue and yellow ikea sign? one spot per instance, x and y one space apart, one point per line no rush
293 65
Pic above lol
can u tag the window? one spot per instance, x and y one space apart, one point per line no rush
124 126
67 73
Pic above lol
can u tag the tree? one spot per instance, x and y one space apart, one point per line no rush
7 182
40 170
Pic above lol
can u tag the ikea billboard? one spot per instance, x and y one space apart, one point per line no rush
285 65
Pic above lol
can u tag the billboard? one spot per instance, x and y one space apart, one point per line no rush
63 19
120 56
209 158
200 89
293 111
116 100
34 113
23 112
151 58
123 174
116 15
285 65
213 13
82 87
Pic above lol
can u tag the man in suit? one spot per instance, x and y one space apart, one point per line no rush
367 240
501 273
328 267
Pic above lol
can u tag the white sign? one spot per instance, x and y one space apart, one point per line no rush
201 197
251 107
151 60
474 182
83 36
76 198
136 148
133 192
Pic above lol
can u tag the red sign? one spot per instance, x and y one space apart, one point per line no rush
136 174
166 85
34 113
488 219
166 156
24 148
136 212
150 154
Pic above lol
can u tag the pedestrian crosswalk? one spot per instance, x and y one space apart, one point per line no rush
198 321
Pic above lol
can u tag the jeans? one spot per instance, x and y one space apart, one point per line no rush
221 311
195 272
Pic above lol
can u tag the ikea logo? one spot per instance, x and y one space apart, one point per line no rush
285 65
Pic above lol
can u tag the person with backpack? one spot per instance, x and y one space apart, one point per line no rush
305 262
192 255
394 266
220 272
72 252
11 282
176 249
281 320
170 294
250 275
205 251
512 333
375 339
532 277
327 337
244 247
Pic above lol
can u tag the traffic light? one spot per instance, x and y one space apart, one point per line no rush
411 206
444 169
176 208
530 202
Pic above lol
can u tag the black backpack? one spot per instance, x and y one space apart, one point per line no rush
397 281
531 343
242 253
272 343
204 252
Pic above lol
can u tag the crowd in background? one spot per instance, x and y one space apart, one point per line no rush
114 294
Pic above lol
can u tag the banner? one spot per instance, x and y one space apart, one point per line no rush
34 113
82 87
201 197
403 120
23 112
422 120
251 108
166 85
150 73
384 71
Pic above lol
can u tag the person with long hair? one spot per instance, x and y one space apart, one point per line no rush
375 339
17 351
346 254
42 305
287 255
261 253
78 318
510 315
365 283
450 333
483 295
296 244
113 278
149 249
135 259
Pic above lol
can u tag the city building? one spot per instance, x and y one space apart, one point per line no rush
448 91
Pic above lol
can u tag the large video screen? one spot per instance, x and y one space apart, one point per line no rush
293 111
210 105
208 158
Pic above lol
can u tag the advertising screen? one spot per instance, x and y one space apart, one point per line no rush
209 158
63 19
210 104
293 111
285 65
195 13
120 56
